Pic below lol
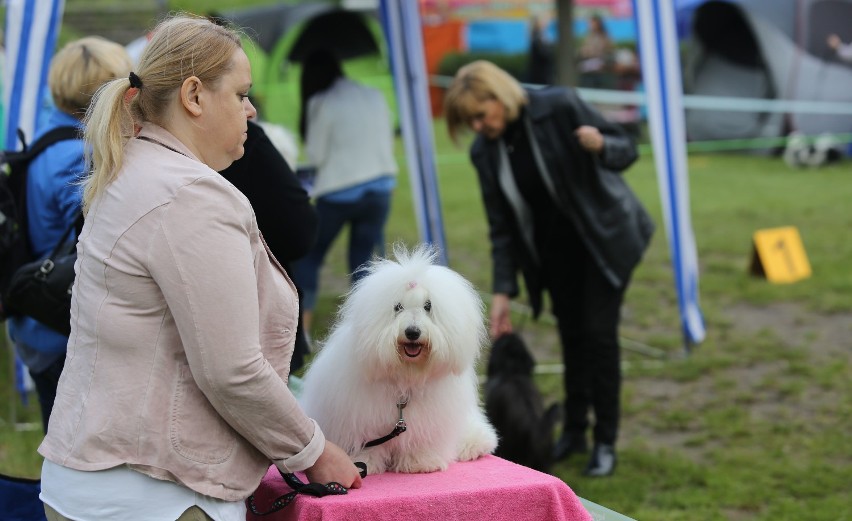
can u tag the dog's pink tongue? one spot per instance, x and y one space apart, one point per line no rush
412 350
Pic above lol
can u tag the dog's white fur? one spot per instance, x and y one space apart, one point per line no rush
368 364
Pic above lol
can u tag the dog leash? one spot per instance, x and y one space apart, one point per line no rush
311 489
333 488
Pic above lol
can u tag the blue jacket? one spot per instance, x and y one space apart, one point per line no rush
54 197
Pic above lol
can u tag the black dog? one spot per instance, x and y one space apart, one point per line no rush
515 406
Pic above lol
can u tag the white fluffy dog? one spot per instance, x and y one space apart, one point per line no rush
402 353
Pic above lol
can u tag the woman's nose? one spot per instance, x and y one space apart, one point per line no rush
251 112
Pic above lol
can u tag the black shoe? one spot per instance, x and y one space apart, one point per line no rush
570 443
602 462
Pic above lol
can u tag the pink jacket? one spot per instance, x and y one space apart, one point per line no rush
183 326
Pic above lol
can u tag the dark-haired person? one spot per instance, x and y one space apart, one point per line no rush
348 135
842 50
595 55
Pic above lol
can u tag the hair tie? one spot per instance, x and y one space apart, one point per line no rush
135 82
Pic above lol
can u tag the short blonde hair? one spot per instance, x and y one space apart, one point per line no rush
79 69
475 83
181 46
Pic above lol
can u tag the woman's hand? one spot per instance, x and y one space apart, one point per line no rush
590 139
833 41
334 465
500 319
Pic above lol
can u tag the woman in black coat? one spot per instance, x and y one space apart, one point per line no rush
285 215
560 213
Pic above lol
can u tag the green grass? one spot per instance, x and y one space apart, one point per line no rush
751 425
754 423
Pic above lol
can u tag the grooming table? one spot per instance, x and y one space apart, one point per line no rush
488 489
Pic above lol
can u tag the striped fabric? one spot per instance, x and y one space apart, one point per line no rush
402 28
658 51
30 41
31 30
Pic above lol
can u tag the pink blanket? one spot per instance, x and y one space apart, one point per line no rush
488 489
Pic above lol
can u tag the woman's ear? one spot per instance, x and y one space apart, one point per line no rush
190 91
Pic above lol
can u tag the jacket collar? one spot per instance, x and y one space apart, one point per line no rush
164 137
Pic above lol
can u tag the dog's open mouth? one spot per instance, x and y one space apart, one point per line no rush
412 349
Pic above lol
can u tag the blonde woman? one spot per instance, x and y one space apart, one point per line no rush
174 400
560 213
53 192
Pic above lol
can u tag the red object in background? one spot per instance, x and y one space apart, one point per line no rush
614 8
438 41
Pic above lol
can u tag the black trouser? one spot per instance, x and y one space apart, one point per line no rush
588 310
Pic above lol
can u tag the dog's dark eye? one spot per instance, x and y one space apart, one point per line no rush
428 306
397 308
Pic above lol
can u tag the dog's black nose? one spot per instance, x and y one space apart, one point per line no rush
412 332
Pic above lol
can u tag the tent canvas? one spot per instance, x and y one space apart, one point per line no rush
267 25
739 50
281 36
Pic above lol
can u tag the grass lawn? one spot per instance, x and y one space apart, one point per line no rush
754 423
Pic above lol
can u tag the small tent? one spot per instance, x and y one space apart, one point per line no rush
282 35
766 50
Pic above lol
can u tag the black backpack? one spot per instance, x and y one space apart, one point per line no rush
15 249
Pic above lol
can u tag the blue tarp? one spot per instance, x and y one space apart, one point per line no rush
512 36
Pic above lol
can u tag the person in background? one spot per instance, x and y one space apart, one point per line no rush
174 401
596 54
560 213
540 54
285 215
284 140
53 192
347 131
842 50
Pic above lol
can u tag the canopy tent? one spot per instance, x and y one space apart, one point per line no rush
266 24
32 27
352 36
766 50
661 73
281 35
311 25
402 25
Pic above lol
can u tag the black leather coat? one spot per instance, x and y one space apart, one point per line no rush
589 189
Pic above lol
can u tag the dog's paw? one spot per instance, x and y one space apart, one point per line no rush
420 463
480 444
472 452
